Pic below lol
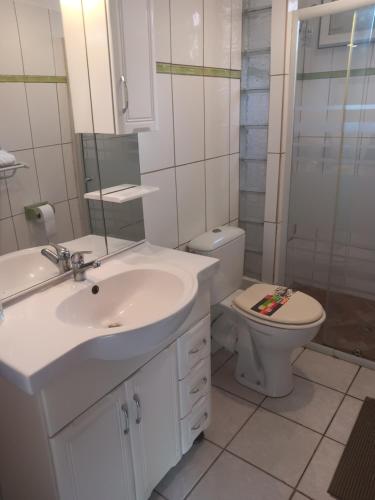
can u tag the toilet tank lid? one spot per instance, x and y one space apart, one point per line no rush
215 238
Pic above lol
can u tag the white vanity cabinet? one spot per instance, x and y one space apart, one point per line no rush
126 442
111 65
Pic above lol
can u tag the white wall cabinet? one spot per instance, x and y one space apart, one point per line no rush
111 65
124 444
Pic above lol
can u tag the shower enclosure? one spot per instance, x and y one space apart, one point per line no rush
330 249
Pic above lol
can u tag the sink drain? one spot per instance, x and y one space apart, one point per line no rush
114 325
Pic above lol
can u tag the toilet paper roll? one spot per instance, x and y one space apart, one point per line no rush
47 219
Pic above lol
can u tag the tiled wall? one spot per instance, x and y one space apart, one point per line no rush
35 124
255 85
194 157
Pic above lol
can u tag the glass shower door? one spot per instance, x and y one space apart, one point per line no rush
331 229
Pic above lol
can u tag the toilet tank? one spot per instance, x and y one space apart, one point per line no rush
226 243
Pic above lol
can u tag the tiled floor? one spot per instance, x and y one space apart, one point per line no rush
260 448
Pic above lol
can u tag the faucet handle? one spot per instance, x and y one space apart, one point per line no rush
60 249
77 257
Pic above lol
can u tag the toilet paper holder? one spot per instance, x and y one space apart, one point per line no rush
32 212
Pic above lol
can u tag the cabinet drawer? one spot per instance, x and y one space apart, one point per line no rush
194 386
193 346
197 421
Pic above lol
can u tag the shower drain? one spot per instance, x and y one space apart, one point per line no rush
114 325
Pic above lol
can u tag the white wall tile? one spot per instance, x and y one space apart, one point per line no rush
278 29
269 244
50 168
162 29
314 107
23 187
63 222
275 114
58 42
191 201
235 100
236 44
216 102
15 129
24 233
187 32
188 106
217 33
8 242
70 174
64 112
44 113
79 226
36 39
160 208
272 186
234 186
156 149
4 201
10 48
217 191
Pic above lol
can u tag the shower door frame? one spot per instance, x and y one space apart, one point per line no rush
291 59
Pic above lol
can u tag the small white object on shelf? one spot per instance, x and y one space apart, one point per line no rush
121 193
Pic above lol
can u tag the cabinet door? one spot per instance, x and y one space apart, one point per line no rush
154 424
133 64
92 455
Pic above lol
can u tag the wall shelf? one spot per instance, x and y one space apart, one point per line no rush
121 193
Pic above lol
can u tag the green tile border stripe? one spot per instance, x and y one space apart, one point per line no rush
336 74
184 69
32 79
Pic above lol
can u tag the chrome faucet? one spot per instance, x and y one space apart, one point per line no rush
79 265
61 256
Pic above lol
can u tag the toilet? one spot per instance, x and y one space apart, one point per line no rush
263 323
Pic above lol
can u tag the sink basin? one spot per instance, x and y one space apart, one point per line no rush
131 312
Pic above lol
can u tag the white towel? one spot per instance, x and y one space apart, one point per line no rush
6 159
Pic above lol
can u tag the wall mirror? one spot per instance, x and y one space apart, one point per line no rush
46 168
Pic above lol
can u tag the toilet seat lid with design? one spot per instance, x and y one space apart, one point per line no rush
279 305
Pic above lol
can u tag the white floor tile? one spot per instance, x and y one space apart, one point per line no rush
364 384
224 378
232 478
219 358
344 420
299 496
181 479
229 413
319 473
296 353
309 404
276 445
325 370
155 496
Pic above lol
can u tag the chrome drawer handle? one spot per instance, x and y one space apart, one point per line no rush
199 347
200 423
199 386
126 94
139 409
124 408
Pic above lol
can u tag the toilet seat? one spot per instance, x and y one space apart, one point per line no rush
298 312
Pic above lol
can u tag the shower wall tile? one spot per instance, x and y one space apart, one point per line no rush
254 236
236 34
314 107
235 100
8 241
187 32
162 28
35 34
256 4
10 48
156 149
217 33
217 191
253 264
216 113
44 113
15 129
252 206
